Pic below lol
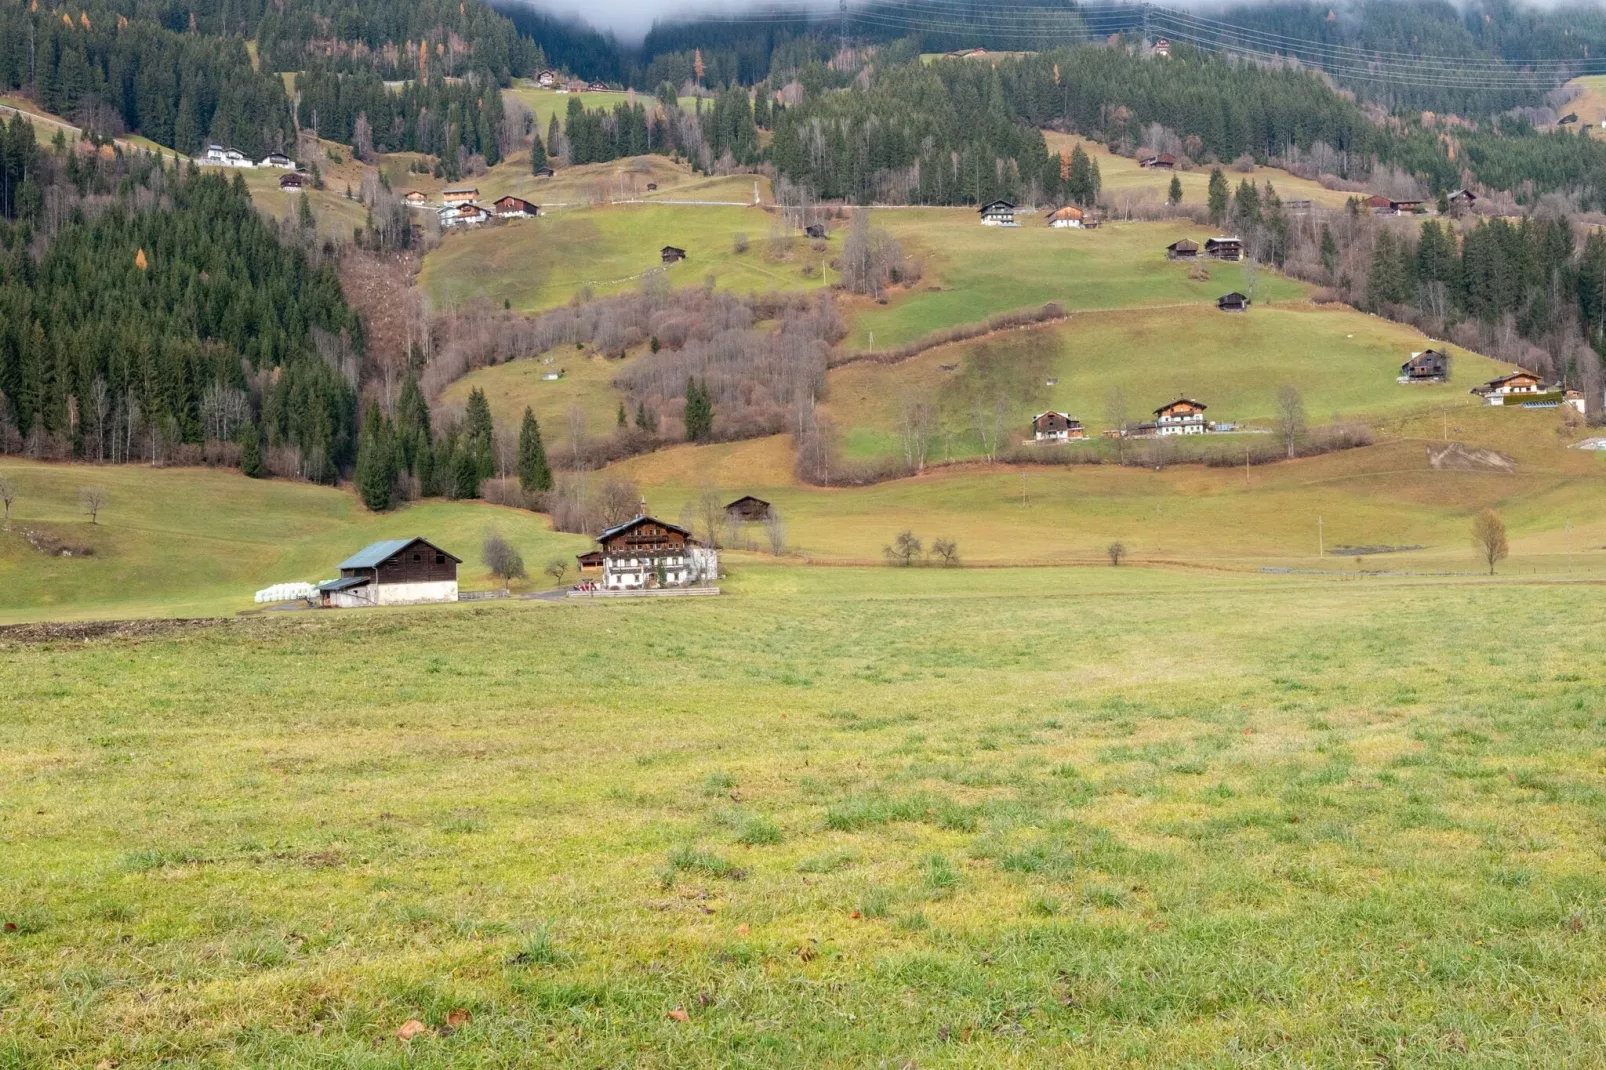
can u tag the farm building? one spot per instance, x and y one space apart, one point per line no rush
646 552
1162 48
1462 200
1162 162
652 187
218 156
466 214
1512 389
415 198
596 87
1384 206
1224 248
749 509
669 254
1056 427
1183 416
515 208
1066 217
543 172
1233 302
1428 366
815 230
393 572
546 79
590 562
294 182
461 195
997 214
1184 249
278 160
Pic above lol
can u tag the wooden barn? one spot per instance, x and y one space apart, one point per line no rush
461 195
515 208
543 172
1069 216
1233 302
393 572
294 182
670 255
415 198
1428 366
748 509
1224 248
589 563
1161 162
1183 249
1054 426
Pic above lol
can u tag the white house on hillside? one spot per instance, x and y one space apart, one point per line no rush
218 156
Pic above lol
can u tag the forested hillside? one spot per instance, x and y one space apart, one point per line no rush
170 316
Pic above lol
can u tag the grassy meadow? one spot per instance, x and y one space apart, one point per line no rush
191 542
1079 817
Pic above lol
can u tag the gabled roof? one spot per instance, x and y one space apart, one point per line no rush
619 529
1201 406
1224 241
1068 212
746 498
1232 298
1007 206
1182 244
375 554
1063 415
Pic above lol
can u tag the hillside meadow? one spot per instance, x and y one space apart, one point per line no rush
1080 817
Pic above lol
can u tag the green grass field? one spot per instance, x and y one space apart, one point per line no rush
1344 364
539 263
1095 818
190 542
972 272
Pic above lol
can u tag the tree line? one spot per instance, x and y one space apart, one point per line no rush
446 119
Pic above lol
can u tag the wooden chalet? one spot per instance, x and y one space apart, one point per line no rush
461 195
464 215
278 160
646 552
589 562
670 255
1428 366
1512 389
515 208
1056 427
544 172
1378 203
1067 217
393 572
815 230
1406 207
1184 249
997 214
1183 416
597 87
1162 48
1462 200
547 79
748 509
294 182
1224 248
1233 302
415 198
1162 162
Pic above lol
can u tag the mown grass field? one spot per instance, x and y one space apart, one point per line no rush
191 542
1093 818
1344 364
539 263
510 388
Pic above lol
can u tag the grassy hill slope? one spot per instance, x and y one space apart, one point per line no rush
186 542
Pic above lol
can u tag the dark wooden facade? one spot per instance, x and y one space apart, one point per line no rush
669 254
589 562
1224 248
1428 366
1184 249
644 535
416 561
1233 302
749 509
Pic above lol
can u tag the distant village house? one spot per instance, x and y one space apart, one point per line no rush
393 572
1162 162
516 208
1233 302
1056 427
1428 366
1068 216
1183 416
294 182
997 214
1184 249
546 79
278 160
1512 389
748 509
463 215
1224 248
646 553
461 195
670 255
218 156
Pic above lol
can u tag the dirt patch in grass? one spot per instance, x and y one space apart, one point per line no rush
85 630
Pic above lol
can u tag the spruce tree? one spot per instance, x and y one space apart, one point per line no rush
1218 196
537 153
478 430
1174 195
643 421
376 460
699 411
251 452
623 419
534 473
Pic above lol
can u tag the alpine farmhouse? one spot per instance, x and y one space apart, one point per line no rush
393 572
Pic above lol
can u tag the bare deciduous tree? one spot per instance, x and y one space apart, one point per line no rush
775 531
1116 415
711 514
917 419
577 432
946 550
8 494
1489 536
1116 550
93 499
502 558
617 500
1290 417
905 549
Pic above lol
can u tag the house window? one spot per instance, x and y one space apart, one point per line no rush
440 559
417 557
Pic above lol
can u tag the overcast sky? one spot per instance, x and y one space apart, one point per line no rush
631 19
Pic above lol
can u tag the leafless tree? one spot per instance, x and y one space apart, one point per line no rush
1290 417
362 138
739 243
577 432
946 550
93 499
775 531
711 514
557 568
1116 550
1116 415
1489 536
502 558
905 549
224 409
617 500
100 407
8 494
917 419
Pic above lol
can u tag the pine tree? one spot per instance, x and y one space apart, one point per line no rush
699 411
538 153
1174 195
1329 251
643 420
479 434
1218 196
623 419
465 472
376 460
251 452
534 473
